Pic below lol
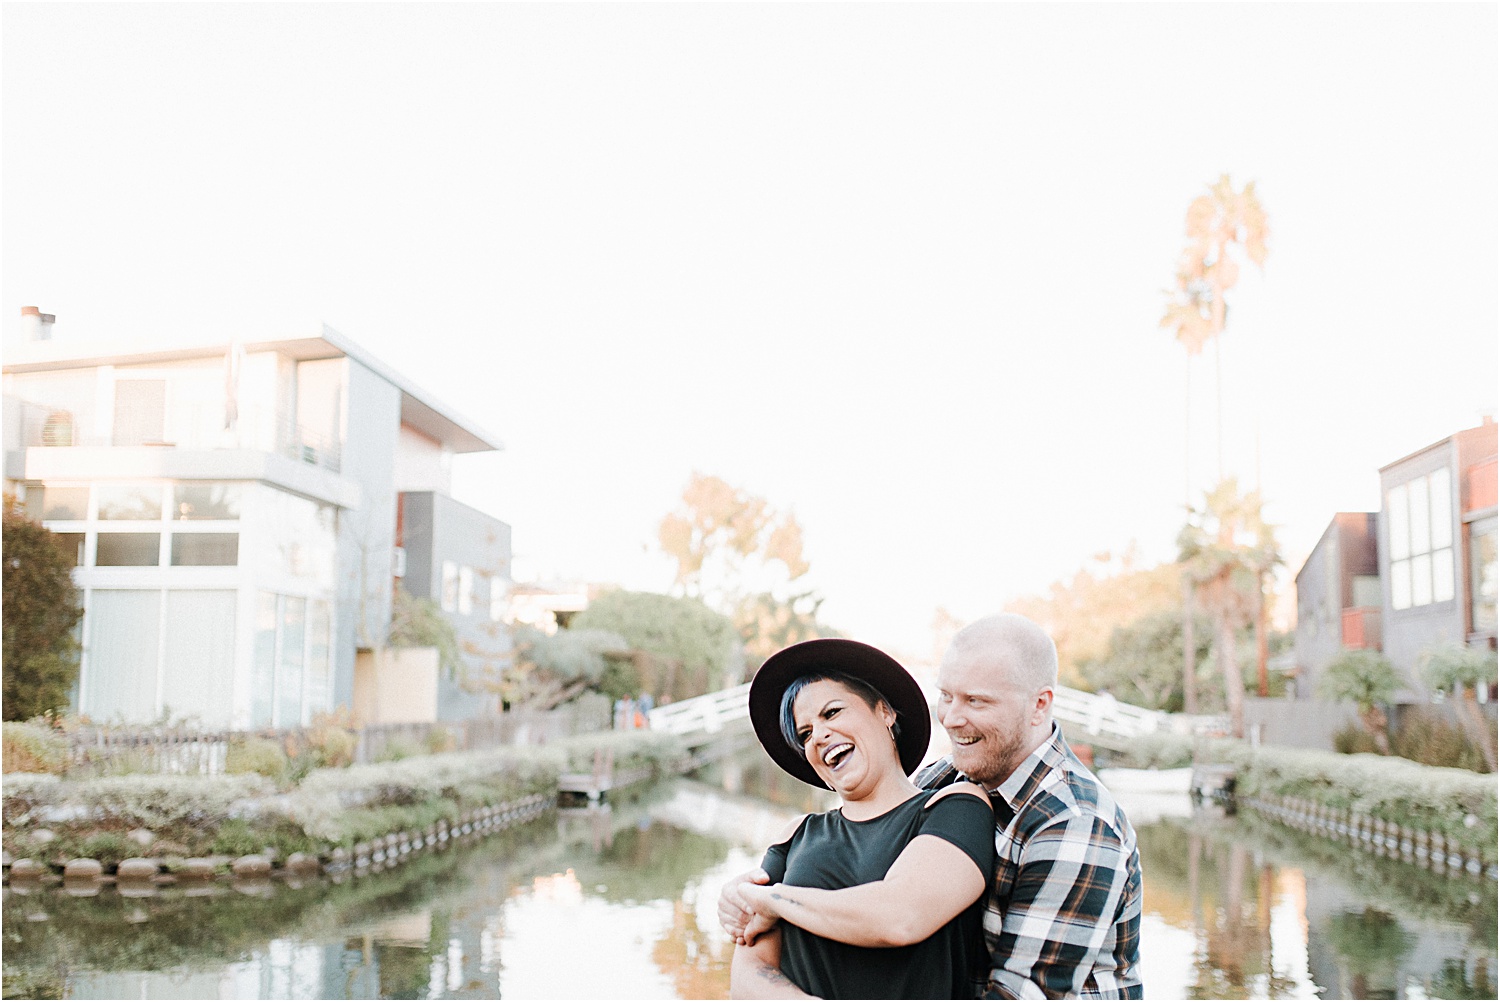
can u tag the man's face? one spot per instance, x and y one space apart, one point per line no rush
988 718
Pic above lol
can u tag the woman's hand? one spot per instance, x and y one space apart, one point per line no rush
760 903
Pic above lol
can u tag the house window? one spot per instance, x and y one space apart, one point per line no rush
466 590
450 586
1420 519
205 549
130 502
51 503
72 544
128 549
1482 574
205 500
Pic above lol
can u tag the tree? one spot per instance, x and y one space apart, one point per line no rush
680 647
1227 549
1081 612
41 611
419 622
1142 664
1368 680
549 669
1464 668
739 555
1196 312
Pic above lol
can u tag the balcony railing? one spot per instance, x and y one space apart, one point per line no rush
197 426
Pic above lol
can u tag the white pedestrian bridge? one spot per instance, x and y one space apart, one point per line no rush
1101 717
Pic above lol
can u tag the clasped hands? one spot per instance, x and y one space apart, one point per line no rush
747 907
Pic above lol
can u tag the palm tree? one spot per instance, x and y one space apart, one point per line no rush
1369 681
1196 313
1465 668
1226 549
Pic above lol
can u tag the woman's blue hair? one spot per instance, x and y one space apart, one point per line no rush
858 686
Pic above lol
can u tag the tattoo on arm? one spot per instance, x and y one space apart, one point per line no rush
782 897
773 975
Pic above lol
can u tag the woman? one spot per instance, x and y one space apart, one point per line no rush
883 897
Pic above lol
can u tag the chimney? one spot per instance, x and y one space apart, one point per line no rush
38 325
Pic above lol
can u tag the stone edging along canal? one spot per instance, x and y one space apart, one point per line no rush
372 856
1383 838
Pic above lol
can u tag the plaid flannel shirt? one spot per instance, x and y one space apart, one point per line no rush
1064 914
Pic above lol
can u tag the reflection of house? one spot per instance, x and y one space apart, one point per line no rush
233 511
1420 574
1338 596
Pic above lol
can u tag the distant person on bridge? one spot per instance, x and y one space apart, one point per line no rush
1064 905
884 897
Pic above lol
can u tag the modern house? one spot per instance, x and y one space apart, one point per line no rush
1437 546
1419 574
234 513
1338 596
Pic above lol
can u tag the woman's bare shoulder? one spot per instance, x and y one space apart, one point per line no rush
972 789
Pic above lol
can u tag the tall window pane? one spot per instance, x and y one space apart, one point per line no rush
450 586
206 499
1421 579
1421 535
289 670
319 648
1484 571
1442 575
124 644
1440 487
1399 523
1401 585
130 501
128 549
198 669
263 673
466 590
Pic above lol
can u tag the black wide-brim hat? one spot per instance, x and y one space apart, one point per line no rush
849 657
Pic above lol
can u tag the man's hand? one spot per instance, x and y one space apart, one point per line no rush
734 910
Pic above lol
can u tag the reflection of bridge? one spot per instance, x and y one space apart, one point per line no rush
1093 717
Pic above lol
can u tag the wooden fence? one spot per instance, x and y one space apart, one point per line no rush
179 750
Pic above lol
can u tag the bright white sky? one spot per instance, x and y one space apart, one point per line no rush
898 268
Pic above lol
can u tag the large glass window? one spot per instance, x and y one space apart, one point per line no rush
263 706
205 549
198 669
128 549
450 586
319 657
1419 517
141 502
289 667
56 503
206 500
1484 580
72 544
123 648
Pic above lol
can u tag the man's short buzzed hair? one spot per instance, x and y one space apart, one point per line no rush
1013 642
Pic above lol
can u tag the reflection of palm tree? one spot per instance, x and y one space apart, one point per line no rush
1227 549
1196 313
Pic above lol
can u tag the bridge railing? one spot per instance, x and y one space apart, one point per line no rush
703 713
1103 714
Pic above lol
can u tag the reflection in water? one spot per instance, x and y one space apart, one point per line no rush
619 902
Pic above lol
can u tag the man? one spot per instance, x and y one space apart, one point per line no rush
1065 905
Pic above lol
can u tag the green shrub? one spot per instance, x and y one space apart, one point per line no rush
440 740
107 847
1352 739
1458 804
34 747
396 750
1161 750
1431 741
255 755
235 838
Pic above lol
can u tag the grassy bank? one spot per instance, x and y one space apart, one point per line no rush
53 820
1458 804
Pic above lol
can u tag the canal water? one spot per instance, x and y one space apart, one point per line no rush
620 903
